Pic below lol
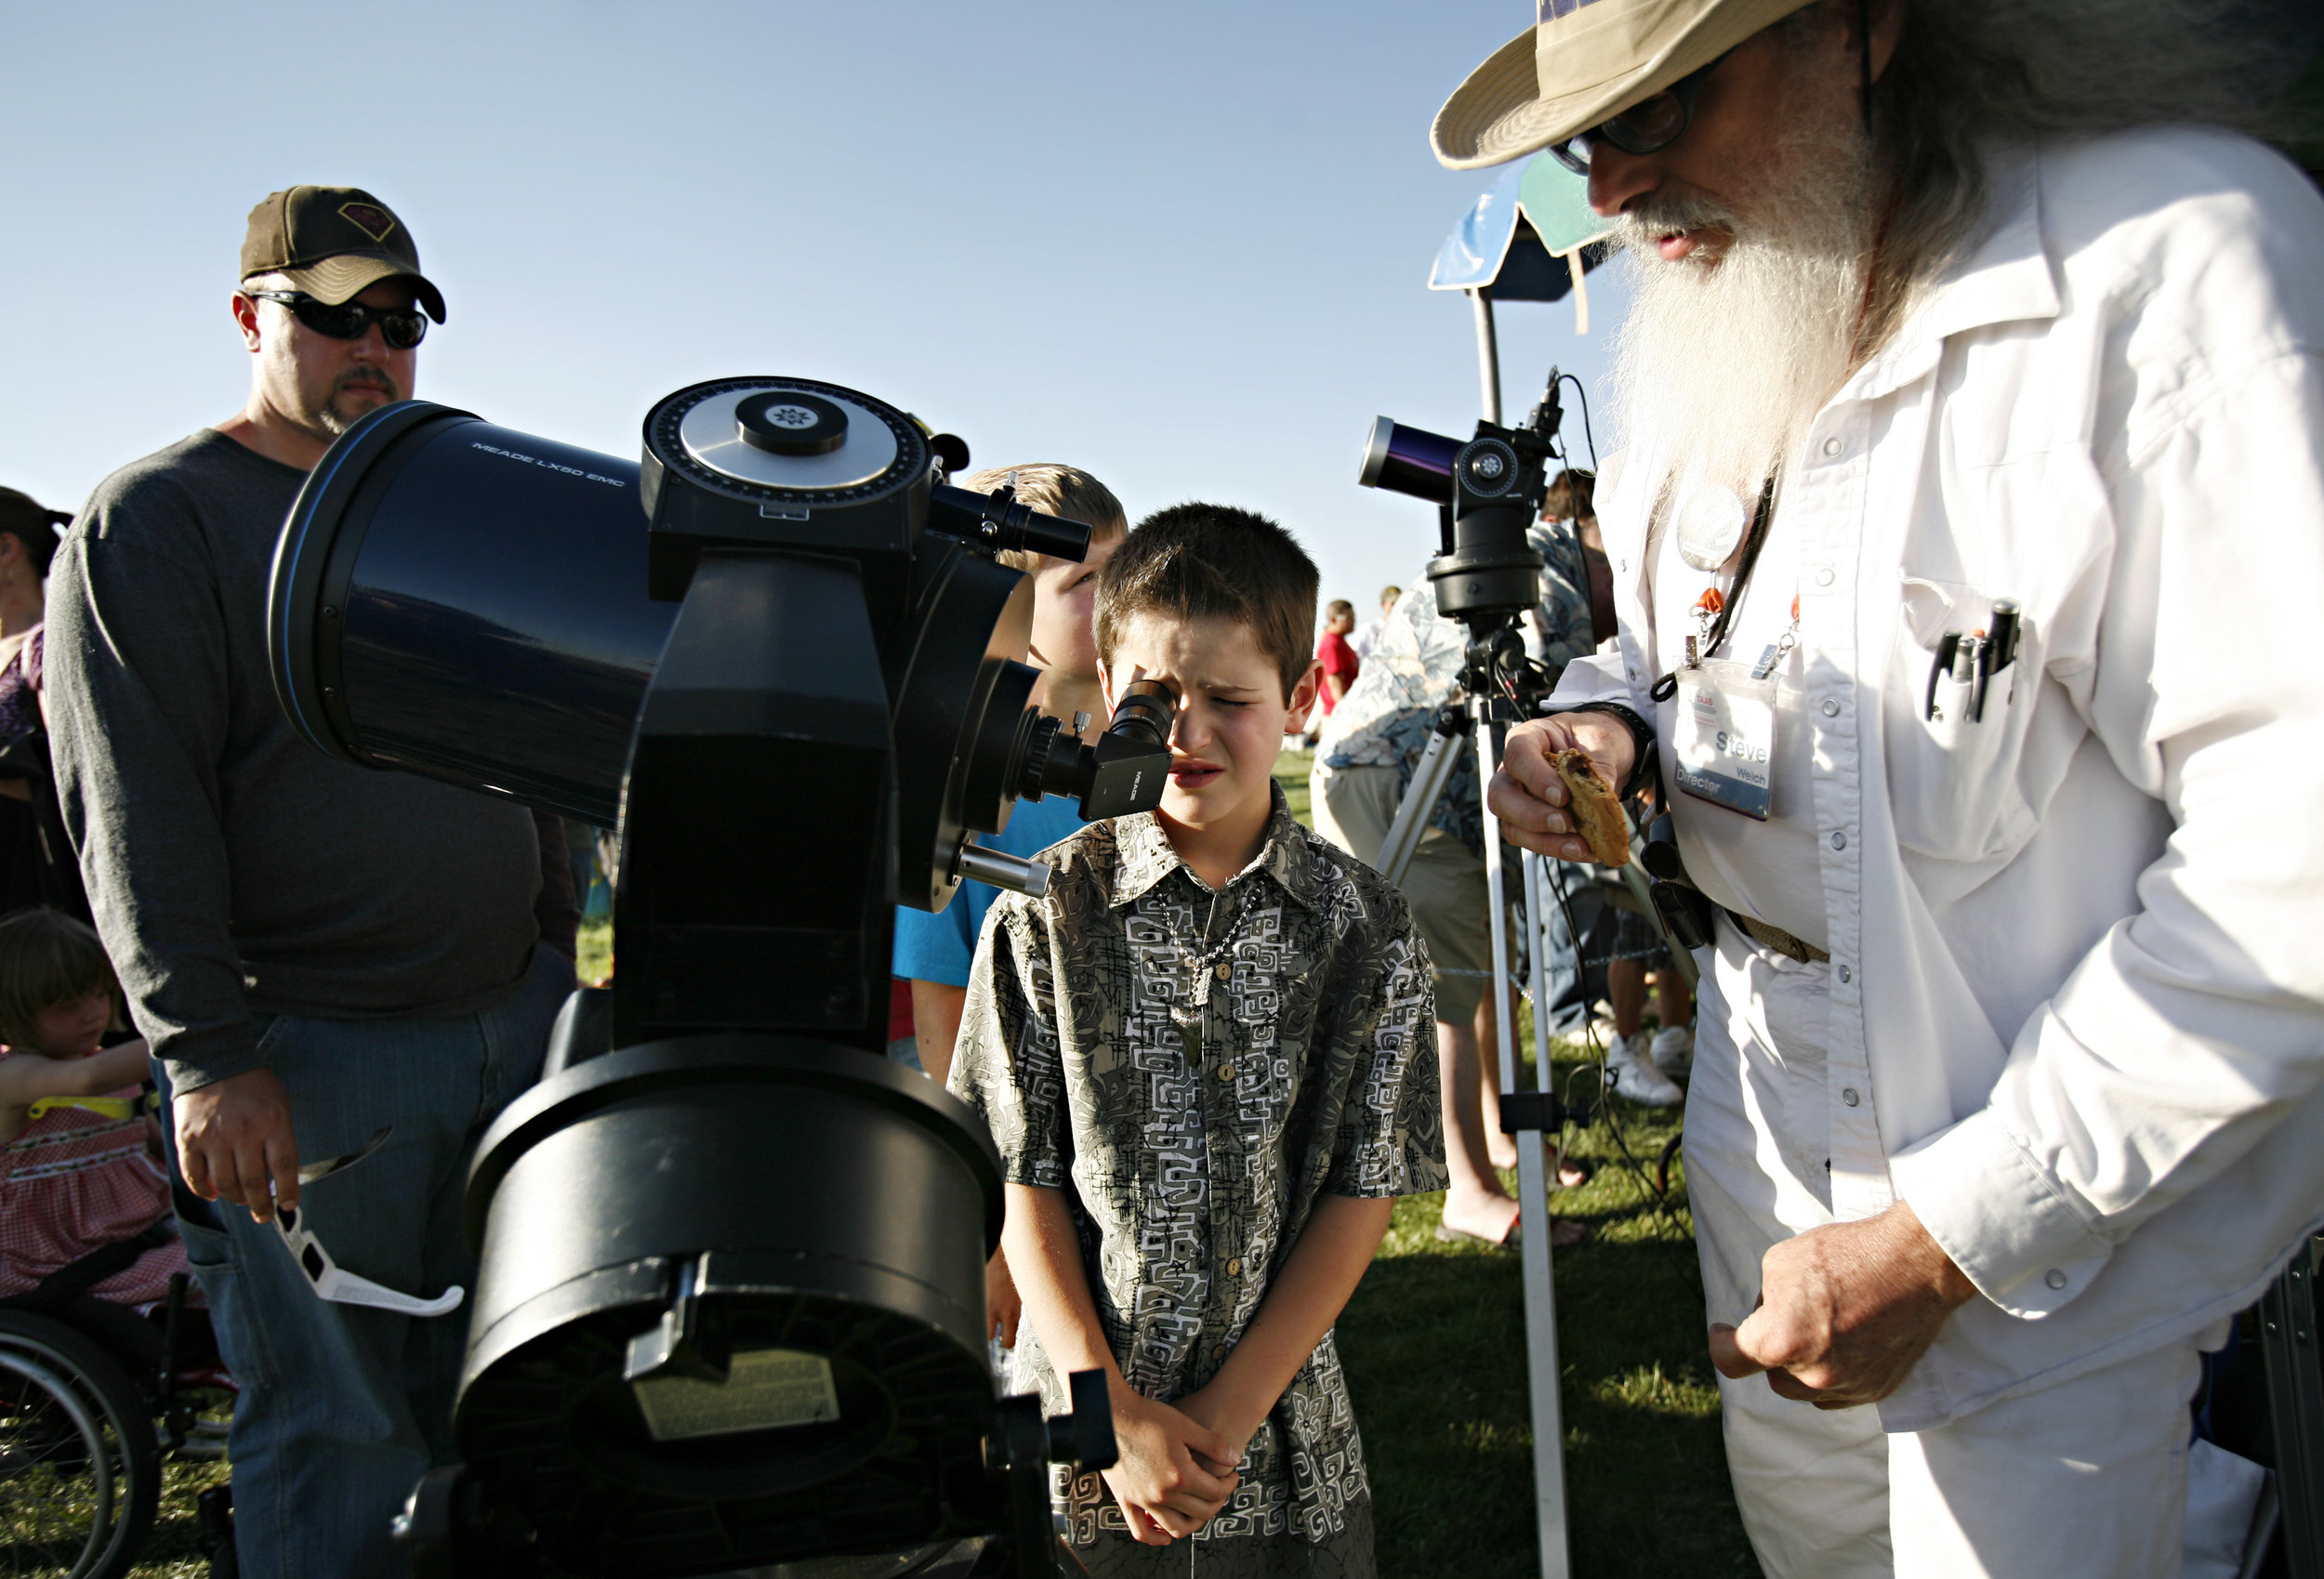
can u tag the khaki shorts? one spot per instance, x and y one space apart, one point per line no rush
1445 885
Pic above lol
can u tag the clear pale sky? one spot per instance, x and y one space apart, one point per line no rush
1182 245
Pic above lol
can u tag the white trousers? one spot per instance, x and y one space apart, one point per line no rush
2088 1476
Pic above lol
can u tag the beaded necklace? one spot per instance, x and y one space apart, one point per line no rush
1212 958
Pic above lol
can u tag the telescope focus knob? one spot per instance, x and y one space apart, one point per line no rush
1004 871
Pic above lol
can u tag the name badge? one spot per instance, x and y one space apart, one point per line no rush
1726 737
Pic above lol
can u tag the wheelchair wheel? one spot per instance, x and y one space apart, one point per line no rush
80 1468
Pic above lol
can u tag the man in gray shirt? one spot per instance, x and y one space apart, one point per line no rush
315 951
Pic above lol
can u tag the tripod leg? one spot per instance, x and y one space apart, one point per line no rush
1548 1428
1420 801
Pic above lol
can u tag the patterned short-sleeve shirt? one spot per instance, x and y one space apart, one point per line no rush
1192 1067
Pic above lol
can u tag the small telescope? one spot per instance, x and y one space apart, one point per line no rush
1487 491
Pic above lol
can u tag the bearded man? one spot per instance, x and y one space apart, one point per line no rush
328 962
1970 504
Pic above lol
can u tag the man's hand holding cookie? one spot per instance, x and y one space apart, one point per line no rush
1529 795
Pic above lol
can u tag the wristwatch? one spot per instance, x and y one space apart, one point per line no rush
1645 762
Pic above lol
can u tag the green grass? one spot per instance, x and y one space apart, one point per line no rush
1433 1342
173 1551
1434 1347
1291 773
594 960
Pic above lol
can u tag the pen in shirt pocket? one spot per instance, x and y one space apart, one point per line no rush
1957 662
1996 652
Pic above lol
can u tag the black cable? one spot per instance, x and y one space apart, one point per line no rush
1605 1101
1569 379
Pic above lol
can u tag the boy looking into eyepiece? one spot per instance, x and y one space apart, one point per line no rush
1207 1057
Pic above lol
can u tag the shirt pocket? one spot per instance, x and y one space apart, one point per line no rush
1953 782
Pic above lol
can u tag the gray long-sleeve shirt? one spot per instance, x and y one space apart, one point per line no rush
234 868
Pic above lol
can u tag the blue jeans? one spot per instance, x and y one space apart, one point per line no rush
1573 984
344 1407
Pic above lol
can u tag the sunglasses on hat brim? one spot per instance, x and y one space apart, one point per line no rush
401 327
1648 126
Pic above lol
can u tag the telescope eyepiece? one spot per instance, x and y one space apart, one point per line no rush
1125 772
1144 715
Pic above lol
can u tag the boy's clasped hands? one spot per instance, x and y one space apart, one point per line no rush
1176 1467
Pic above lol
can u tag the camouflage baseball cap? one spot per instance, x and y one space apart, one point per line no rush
333 242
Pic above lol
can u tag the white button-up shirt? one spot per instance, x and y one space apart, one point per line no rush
2076 996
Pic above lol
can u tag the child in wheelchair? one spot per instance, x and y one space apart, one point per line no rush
103 1365
80 1152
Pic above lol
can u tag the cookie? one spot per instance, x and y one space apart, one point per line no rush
1595 809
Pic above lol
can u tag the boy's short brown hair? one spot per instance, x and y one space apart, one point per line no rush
47 958
1214 562
1338 607
1065 491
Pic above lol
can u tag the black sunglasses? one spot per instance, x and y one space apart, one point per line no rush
1648 126
401 327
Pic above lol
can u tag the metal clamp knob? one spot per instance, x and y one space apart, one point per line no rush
1003 871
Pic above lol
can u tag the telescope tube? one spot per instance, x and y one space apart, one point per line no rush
480 618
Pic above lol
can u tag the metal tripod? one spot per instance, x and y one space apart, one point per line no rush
1521 1112
1478 715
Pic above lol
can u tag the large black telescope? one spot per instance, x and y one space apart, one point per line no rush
730 1310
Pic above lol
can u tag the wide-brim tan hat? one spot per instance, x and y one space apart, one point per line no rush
1585 60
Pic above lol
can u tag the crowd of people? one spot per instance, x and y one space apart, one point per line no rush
315 964
335 963
2004 1083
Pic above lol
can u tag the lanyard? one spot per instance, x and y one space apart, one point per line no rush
1719 606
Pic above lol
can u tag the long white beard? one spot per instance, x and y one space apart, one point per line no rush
1720 365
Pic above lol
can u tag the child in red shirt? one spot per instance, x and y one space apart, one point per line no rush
1335 652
